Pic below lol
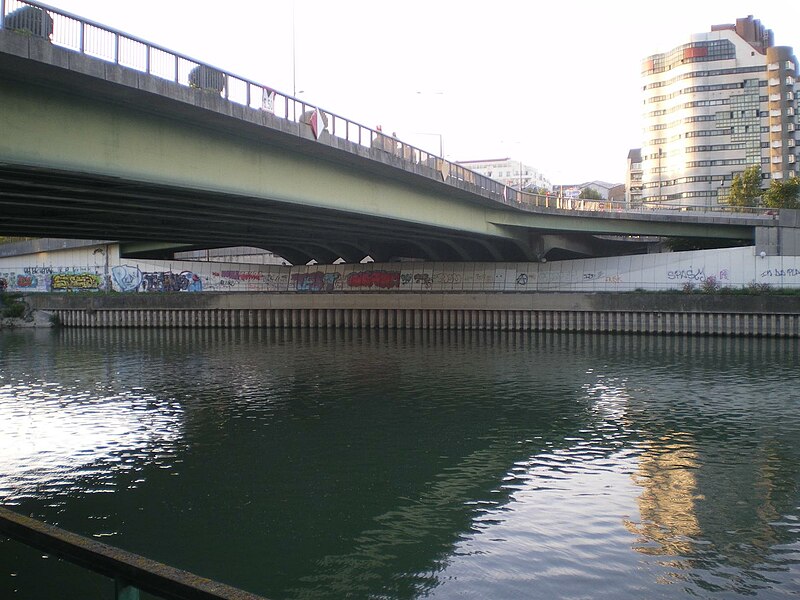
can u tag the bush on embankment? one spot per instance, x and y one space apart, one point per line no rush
12 306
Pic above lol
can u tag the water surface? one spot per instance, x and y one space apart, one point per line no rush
399 465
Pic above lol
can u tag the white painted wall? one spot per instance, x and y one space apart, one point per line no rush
94 268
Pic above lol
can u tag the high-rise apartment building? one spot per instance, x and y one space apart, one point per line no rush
724 101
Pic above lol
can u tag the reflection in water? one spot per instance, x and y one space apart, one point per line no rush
323 464
50 438
666 473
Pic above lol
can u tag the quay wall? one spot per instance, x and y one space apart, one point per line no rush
651 313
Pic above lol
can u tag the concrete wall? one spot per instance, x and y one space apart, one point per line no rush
669 313
99 267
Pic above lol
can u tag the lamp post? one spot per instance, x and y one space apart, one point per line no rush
294 57
436 122
439 135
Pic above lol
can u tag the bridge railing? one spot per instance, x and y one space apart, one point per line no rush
130 572
93 39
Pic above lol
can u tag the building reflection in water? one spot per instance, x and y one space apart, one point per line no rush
667 474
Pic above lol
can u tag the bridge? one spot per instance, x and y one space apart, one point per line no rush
106 136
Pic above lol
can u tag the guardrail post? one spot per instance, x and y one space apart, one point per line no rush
81 42
123 591
2 13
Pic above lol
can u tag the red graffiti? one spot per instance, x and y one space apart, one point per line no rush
26 281
379 279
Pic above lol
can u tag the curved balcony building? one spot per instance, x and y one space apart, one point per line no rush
723 101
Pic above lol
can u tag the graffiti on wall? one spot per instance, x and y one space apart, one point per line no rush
780 273
40 270
690 274
12 280
75 282
379 279
27 281
734 268
241 275
167 281
127 277
423 279
447 278
314 282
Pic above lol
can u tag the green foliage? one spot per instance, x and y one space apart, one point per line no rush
535 190
12 306
588 193
783 193
746 187
758 288
709 285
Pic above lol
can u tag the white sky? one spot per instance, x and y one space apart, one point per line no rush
553 84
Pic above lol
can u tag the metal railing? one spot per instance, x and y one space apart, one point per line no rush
93 39
130 572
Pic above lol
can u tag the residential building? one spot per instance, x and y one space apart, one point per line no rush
633 178
616 195
723 101
573 190
512 173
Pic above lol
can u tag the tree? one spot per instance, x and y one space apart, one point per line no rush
746 187
538 191
588 193
783 193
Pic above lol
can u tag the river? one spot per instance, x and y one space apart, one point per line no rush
304 464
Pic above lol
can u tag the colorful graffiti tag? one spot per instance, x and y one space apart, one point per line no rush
75 281
27 281
314 282
128 278
379 279
167 281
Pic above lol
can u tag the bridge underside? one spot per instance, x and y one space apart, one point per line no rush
45 203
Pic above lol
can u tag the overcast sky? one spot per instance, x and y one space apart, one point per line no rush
554 84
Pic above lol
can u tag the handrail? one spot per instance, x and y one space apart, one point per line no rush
131 572
158 61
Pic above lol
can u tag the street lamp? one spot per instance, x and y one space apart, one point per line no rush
439 135
437 112
294 57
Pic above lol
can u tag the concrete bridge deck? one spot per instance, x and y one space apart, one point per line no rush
95 149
